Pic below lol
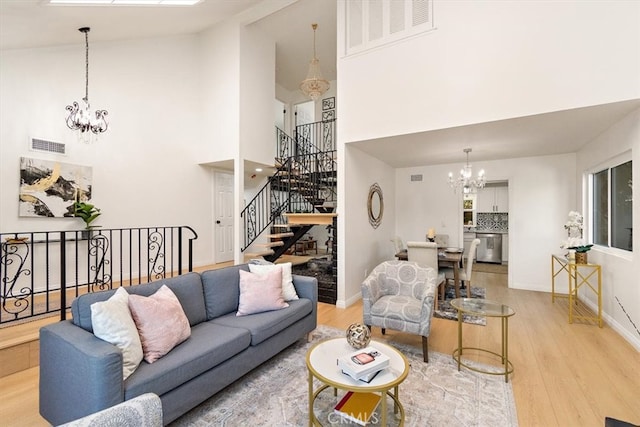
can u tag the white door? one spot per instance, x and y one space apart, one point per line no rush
223 209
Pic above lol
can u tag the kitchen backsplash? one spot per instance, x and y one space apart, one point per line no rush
493 221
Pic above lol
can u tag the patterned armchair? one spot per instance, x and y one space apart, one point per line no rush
400 295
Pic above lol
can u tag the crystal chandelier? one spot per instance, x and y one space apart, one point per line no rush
466 181
81 118
314 85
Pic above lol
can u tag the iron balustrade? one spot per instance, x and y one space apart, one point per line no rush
305 181
42 271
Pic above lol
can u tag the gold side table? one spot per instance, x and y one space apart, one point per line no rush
579 276
485 308
321 365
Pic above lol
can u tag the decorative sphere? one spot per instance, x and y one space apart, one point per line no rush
358 335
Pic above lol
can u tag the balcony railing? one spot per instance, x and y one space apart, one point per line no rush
41 272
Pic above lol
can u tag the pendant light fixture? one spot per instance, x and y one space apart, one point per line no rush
81 118
466 181
314 86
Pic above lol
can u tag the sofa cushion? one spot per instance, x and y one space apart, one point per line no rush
222 290
263 326
260 293
161 322
209 345
187 288
112 322
288 290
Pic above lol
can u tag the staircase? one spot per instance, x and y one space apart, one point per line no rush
300 194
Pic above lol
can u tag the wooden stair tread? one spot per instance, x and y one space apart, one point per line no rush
258 254
280 235
310 218
270 244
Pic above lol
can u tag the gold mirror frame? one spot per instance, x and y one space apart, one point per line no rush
375 205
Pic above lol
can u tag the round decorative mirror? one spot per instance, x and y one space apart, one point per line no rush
375 205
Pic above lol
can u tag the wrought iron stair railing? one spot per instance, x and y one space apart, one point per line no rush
41 272
304 182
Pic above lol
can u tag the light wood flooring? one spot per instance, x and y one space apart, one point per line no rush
565 374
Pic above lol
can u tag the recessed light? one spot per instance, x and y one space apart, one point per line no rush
258 169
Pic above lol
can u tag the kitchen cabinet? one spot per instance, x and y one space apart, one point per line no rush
493 199
469 210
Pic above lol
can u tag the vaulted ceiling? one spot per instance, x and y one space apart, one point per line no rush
33 23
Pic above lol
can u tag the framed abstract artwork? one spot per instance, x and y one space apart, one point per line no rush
329 103
49 188
328 115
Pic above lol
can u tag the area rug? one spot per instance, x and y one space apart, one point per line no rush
433 394
446 311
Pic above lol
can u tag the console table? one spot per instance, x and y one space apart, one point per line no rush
587 276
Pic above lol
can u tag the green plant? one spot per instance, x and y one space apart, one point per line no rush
87 212
581 248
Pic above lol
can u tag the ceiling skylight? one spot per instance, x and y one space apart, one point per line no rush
128 2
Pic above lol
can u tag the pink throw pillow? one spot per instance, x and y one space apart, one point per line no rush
161 322
260 293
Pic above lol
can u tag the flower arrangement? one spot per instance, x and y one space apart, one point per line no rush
574 227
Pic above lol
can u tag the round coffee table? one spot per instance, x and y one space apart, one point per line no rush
486 308
322 364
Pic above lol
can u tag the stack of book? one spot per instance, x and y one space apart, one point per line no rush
358 407
363 364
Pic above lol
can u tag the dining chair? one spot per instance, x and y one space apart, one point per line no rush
425 254
465 273
398 245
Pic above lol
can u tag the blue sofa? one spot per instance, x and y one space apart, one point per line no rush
81 374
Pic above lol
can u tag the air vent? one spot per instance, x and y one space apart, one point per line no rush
417 177
48 146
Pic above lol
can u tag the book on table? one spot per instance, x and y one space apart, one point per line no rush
358 407
363 362
367 378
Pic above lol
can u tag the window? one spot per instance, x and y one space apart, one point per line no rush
612 207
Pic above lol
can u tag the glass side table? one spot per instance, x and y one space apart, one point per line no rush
485 308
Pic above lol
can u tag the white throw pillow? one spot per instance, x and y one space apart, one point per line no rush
112 322
288 290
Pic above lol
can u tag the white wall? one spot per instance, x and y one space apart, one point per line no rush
492 60
145 166
365 246
257 92
220 91
620 269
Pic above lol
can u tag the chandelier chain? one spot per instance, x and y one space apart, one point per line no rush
86 66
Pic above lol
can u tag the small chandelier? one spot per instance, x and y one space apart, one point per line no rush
81 118
466 181
314 85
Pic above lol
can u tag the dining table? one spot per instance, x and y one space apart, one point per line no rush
447 257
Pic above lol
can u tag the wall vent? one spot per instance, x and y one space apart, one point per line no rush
371 24
417 177
48 146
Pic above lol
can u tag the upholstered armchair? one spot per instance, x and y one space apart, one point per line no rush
400 295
